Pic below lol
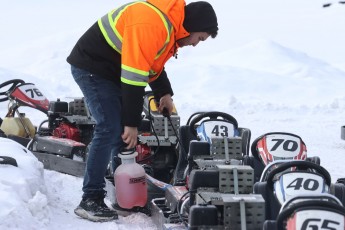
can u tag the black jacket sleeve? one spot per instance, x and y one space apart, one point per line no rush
161 86
133 98
132 104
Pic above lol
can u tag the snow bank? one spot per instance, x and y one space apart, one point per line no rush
22 189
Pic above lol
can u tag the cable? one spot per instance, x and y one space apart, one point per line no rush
182 217
178 143
155 134
44 131
184 204
172 126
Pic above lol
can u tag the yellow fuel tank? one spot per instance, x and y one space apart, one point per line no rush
14 126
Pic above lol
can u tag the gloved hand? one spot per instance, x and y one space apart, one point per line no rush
166 103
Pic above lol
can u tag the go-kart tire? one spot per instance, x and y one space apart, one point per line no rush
4 160
341 180
343 132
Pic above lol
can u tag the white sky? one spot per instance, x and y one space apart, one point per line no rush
275 66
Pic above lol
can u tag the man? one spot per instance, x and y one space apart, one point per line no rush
113 62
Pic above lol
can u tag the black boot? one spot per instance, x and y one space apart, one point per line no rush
95 210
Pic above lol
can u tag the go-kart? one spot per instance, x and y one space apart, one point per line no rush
275 146
209 139
282 180
61 141
216 190
62 144
312 211
200 175
211 185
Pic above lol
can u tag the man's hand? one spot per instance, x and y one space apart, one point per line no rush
130 136
166 102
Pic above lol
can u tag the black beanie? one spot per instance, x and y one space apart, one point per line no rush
200 17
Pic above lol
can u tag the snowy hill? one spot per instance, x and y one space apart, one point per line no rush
275 66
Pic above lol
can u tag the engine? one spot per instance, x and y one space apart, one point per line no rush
66 130
70 120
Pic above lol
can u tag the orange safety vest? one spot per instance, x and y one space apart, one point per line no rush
145 34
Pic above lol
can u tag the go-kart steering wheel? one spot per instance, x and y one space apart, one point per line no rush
14 83
299 164
212 116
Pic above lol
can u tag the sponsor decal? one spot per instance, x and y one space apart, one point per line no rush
137 180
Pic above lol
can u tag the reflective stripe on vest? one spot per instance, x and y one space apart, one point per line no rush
133 76
107 24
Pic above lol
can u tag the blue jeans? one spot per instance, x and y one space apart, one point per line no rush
103 99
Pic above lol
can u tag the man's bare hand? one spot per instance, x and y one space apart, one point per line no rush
167 103
130 136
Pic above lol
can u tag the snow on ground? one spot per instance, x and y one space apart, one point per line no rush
275 66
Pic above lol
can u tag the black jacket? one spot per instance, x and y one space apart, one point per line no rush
93 54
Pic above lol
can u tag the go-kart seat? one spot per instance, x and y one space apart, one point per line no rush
272 205
185 137
245 134
270 225
188 133
259 167
338 190
321 206
256 164
266 187
276 146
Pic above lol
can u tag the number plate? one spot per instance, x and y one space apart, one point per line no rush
296 183
215 129
284 146
32 92
316 219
